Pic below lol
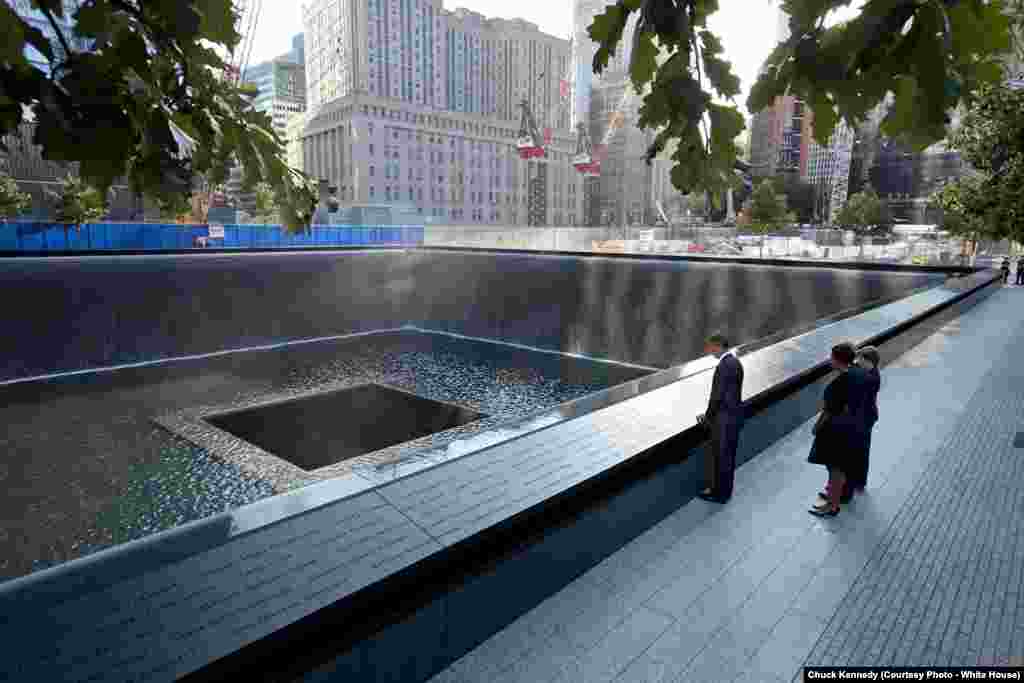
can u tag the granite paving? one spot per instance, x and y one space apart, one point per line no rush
924 568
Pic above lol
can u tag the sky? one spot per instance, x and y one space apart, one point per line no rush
746 27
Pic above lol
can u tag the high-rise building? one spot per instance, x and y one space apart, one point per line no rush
780 133
293 135
419 53
298 53
779 139
828 170
625 189
281 88
629 190
280 93
414 106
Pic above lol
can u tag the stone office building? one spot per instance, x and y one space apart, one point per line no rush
412 105
448 167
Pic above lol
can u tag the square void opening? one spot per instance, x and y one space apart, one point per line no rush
321 430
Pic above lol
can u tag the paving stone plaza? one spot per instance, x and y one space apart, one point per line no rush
925 568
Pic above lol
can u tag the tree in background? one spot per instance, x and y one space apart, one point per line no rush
931 55
967 210
266 209
862 212
989 201
148 101
174 208
78 202
768 210
13 202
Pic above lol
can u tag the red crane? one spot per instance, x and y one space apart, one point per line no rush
587 159
529 142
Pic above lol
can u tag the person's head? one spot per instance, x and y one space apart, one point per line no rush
843 355
716 344
869 354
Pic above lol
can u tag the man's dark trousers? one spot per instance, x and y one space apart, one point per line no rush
721 462
724 420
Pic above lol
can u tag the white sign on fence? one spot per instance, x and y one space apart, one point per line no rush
216 230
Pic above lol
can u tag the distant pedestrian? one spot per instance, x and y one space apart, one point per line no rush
723 419
837 433
1020 270
1006 270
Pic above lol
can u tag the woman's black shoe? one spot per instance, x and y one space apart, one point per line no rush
824 512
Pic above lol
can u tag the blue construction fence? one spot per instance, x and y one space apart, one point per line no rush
42 237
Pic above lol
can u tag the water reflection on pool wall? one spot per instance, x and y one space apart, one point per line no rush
70 314
131 476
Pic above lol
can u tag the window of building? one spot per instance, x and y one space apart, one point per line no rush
371 149
371 171
372 190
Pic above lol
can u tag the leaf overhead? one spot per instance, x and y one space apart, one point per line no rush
929 56
110 107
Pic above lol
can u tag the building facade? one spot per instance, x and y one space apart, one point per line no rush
412 105
445 166
628 191
417 52
293 134
280 94
780 139
625 190
281 88
828 170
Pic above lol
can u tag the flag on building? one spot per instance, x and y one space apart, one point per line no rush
548 134
563 88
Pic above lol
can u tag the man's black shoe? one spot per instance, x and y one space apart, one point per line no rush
712 498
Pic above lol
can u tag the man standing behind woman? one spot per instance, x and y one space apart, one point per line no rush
838 433
868 359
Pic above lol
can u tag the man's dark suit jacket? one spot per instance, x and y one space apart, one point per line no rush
726 401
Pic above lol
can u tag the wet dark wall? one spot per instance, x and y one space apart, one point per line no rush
648 312
63 314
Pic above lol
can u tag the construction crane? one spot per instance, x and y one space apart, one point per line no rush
529 142
587 160
532 145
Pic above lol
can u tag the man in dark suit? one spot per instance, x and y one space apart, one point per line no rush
723 419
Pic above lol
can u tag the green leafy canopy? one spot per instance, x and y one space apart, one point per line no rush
861 211
13 202
931 55
988 201
78 202
135 76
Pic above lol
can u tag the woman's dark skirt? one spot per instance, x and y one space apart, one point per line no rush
837 448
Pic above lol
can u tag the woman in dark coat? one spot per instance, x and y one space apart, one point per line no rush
837 440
